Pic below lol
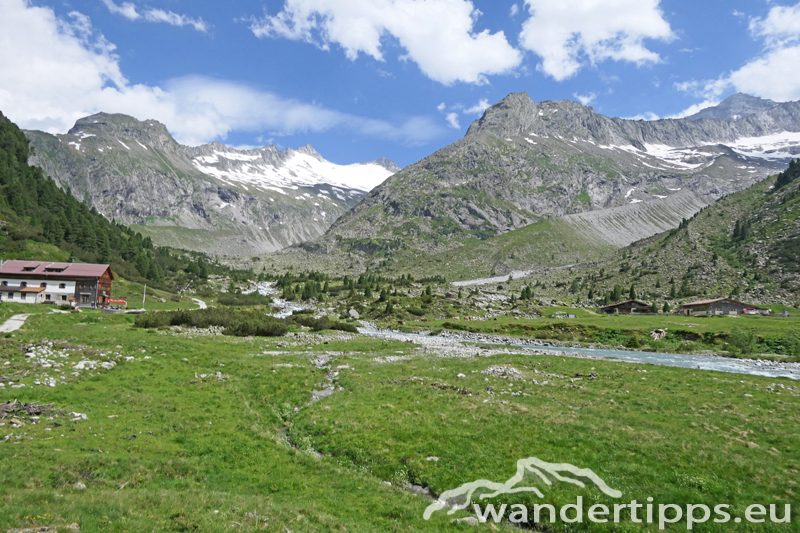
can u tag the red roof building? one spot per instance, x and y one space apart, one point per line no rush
88 284
721 306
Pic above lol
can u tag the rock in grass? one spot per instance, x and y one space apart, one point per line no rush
79 486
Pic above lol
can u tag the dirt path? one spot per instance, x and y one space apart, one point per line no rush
13 323
200 303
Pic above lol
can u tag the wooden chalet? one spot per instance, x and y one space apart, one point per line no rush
80 284
628 307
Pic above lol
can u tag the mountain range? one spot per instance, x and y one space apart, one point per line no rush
523 162
209 198
530 185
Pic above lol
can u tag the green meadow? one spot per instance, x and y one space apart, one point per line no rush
197 432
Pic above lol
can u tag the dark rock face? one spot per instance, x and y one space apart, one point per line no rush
524 161
200 198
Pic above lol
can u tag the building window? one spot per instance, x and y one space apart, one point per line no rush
43 285
10 295
23 284
4 284
62 285
23 296
63 298
30 269
47 297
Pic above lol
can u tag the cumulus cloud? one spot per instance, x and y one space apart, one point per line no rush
54 71
437 34
479 108
585 99
452 121
514 10
571 33
773 74
129 11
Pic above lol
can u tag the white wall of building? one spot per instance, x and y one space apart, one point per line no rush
59 291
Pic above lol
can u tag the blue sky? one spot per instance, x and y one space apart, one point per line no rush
362 79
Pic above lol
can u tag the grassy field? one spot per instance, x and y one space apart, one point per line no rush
170 445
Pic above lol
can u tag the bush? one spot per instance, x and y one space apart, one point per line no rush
236 299
319 324
235 322
742 341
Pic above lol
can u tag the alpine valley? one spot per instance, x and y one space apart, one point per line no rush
531 185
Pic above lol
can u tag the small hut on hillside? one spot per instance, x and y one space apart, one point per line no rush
628 307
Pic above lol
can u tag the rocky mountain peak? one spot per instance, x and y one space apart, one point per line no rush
388 164
115 125
309 150
510 116
735 107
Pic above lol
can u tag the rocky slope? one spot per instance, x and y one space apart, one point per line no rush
525 161
210 198
710 256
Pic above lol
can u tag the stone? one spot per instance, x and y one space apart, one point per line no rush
79 486
469 520
353 313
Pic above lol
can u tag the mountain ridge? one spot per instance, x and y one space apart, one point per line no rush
210 198
524 161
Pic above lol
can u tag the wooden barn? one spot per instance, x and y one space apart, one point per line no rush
628 307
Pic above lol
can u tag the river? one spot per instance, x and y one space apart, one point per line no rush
701 362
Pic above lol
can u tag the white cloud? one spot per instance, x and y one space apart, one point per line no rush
514 10
585 99
567 34
126 9
437 34
441 107
452 121
774 74
649 115
54 71
129 11
692 109
479 108
159 15
780 27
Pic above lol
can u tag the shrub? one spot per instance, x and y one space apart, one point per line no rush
742 341
234 321
238 299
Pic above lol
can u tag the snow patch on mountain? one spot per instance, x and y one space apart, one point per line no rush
297 169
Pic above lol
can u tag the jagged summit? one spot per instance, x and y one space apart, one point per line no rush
735 107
